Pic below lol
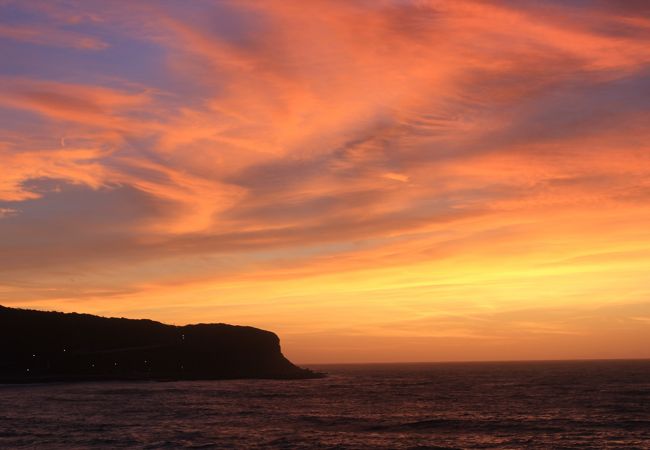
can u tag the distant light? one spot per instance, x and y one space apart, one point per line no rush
34 355
183 337
92 365
27 370
116 364
64 350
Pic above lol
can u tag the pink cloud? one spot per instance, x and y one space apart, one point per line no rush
331 138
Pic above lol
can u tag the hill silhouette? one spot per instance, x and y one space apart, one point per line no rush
40 346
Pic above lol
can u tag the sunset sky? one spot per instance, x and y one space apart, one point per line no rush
373 180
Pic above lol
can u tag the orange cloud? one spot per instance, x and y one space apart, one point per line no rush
381 172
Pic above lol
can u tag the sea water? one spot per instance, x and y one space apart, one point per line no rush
589 404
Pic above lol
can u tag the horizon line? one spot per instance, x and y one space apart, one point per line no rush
475 361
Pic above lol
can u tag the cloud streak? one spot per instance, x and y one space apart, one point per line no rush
371 160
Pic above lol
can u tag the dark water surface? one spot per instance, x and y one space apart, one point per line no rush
593 404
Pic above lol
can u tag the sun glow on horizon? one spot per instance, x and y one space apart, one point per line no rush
390 180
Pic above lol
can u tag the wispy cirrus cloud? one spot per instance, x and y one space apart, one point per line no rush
40 35
324 150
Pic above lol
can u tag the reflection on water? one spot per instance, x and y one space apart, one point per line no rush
592 404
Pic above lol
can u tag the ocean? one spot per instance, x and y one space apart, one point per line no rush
546 405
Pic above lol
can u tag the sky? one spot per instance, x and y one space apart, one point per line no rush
373 180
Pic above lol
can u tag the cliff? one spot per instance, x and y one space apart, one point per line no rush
38 346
